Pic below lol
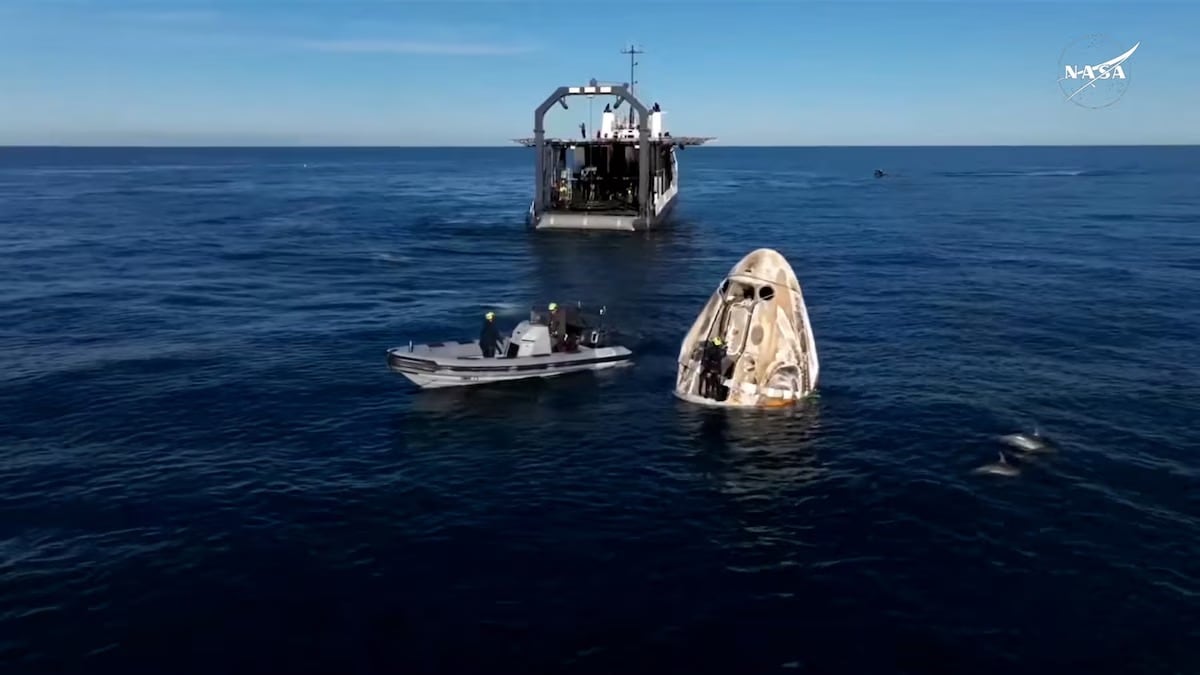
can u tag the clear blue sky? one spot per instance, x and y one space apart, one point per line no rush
470 73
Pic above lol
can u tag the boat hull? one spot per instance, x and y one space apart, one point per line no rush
433 372
565 220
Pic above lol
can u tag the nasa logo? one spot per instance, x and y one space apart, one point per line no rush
1092 71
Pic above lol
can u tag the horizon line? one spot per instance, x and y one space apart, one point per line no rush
518 147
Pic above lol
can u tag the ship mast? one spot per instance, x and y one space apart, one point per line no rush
632 52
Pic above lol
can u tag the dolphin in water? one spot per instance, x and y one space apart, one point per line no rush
1000 468
1033 443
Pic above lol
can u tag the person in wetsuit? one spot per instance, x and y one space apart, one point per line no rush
489 335
710 368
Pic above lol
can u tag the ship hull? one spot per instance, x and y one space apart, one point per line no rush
574 220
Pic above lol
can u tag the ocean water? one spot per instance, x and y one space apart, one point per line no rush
206 466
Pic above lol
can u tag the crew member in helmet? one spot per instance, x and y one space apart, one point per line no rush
710 368
556 320
489 335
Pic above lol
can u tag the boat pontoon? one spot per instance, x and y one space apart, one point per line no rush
624 176
529 352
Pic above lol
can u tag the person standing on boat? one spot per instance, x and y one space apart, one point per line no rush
489 335
557 322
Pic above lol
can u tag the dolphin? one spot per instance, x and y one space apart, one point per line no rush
1034 443
1000 468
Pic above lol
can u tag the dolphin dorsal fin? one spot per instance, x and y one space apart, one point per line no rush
1003 459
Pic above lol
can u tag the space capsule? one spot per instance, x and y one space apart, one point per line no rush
754 336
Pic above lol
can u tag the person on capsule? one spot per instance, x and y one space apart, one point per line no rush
710 368
489 335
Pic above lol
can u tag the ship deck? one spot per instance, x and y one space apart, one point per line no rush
679 141
584 220
597 206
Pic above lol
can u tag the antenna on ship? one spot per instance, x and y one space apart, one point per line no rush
591 117
632 52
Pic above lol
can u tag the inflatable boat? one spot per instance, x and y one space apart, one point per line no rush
530 351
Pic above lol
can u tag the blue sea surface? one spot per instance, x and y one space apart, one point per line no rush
208 468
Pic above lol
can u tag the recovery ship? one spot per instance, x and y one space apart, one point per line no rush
622 176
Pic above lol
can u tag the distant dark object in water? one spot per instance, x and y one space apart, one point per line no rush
879 173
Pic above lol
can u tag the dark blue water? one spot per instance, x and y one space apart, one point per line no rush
207 467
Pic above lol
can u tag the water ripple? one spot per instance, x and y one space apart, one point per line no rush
201 438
